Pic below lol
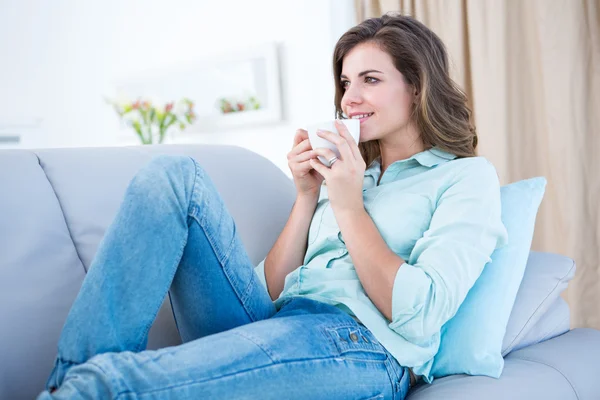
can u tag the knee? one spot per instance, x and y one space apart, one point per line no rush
178 172
86 380
169 163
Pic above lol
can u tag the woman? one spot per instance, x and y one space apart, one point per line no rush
387 250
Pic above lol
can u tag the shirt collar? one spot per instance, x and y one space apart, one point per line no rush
432 157
428 158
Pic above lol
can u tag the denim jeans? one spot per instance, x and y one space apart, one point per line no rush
173 235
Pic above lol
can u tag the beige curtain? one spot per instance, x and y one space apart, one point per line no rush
532 71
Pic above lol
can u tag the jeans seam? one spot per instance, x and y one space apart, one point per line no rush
196 213
242 296
199 214
200 381
223 264
395 374
165 290
264 349
246 296
193 191
168 282
393 379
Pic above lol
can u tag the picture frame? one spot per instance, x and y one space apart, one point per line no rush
235 74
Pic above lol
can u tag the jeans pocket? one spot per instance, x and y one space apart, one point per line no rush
357 343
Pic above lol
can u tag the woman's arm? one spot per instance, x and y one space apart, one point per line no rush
420 295
375 263
289 250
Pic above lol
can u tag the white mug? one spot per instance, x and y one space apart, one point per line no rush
353 126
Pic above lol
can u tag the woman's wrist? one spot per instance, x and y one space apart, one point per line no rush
307 199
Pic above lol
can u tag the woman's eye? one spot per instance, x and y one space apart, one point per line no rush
368 79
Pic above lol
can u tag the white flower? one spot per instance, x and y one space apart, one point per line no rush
180 108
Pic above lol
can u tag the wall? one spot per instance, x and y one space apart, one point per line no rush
60 58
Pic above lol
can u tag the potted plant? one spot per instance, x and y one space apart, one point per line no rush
151 121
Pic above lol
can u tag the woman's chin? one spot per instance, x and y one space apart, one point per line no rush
364 138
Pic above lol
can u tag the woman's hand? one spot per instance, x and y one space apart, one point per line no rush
345 177
307 180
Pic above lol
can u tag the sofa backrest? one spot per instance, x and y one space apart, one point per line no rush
55 205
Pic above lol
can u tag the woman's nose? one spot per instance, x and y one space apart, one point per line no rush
352 95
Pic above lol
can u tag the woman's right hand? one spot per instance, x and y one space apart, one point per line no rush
307 180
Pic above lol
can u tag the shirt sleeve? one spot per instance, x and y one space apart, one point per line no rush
465 229
260 271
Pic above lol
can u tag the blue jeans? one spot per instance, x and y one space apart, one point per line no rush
173 234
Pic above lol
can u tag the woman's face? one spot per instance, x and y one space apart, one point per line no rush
376 93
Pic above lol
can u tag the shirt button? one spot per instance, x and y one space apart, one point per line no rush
353 337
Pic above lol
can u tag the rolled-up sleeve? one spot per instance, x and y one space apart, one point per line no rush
444 264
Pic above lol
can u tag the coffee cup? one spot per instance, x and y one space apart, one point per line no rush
353 126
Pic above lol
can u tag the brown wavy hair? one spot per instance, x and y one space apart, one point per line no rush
441 112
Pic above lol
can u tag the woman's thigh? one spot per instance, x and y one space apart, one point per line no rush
309 350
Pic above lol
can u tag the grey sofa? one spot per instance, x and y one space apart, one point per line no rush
55 205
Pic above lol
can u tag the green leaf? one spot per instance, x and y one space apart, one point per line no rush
138 129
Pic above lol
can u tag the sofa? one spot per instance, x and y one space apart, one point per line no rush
55 205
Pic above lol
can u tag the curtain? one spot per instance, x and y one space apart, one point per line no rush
531 70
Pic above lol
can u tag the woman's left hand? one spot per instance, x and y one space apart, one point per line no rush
345 177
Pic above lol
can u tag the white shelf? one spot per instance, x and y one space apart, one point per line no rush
20 133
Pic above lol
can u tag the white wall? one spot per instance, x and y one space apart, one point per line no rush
60 58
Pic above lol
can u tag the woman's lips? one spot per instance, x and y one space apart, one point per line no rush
362 120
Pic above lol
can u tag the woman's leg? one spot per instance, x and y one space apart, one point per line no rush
172 225
308 350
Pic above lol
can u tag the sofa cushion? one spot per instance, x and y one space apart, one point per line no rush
546 277
471 342
564 368
40 274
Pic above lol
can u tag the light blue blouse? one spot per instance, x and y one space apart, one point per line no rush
439 214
